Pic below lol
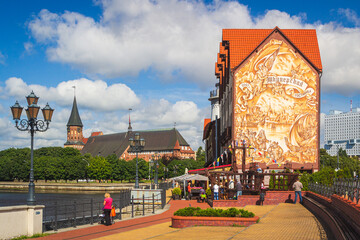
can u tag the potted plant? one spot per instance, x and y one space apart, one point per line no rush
176 193
208 193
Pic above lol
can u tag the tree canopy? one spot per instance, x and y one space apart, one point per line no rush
57 163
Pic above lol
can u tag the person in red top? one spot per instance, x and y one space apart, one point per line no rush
107 208
189 190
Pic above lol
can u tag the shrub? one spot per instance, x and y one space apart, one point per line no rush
188 211
246 213
208 191
232 212
176 191
213 212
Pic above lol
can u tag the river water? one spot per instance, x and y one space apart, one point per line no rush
18 197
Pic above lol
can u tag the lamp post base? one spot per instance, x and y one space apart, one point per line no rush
31 200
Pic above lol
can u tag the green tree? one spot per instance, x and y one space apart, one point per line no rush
305 179
116 168
200 154
324 176
14 164
99 168
47 168
74 167
124 170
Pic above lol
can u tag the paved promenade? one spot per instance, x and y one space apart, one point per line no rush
283 221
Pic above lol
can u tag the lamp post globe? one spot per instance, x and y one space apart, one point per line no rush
32 124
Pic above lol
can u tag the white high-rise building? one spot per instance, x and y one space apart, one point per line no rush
342 130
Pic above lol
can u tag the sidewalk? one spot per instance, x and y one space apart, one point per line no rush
283 221
97 231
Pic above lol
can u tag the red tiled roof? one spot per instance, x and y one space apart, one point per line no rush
242 43
206 122
85 140
207 126
93 134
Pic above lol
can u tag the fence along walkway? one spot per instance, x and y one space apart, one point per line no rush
342 216
73 214
347 188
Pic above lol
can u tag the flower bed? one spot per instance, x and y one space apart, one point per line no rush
191 216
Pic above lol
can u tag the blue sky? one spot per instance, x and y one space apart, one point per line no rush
156 57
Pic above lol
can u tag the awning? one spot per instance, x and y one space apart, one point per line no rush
210 168
190 177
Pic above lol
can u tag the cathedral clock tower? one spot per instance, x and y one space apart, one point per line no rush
74 129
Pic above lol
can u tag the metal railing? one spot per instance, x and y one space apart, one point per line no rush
165 185
74 213
349 188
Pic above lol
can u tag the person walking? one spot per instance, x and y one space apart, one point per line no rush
262 193
107 208
297 186
231 183
238 189
216 191
231 190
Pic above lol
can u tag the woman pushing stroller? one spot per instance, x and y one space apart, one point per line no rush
107 208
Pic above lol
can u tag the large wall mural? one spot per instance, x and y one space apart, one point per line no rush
276 107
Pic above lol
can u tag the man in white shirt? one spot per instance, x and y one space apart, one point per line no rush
297 186
216 191
231 184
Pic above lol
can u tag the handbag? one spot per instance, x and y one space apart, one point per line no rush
112 213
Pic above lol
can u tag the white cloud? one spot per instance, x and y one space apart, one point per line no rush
29 47
168 36
150 114
161 113
340 58
95 95
181 37
350 15
173 38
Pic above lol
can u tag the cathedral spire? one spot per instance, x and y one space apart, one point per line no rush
129 128
74 128
74 119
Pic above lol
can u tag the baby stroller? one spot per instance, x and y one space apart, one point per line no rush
112 216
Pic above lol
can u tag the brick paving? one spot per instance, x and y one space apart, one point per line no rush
97 231
283 221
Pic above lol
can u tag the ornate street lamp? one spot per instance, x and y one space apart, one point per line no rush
32 125
136 145
156 157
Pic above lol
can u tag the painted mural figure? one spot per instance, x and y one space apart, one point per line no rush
275 152
261 140
277 105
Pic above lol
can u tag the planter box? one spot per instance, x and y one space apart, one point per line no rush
181 222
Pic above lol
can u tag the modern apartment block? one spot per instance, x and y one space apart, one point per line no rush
342 130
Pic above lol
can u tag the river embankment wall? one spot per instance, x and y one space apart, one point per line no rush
69 186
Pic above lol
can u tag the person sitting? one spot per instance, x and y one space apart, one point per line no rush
202 195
